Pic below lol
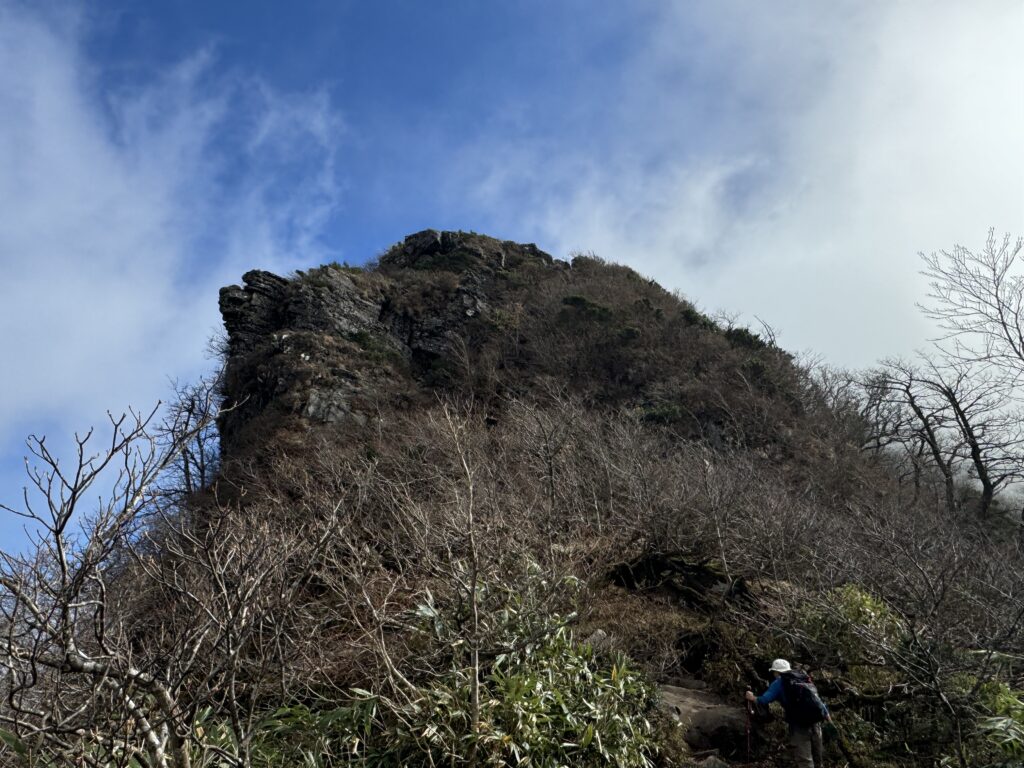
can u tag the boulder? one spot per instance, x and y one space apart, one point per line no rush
690 683
710 722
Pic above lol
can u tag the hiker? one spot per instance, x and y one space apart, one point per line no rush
805 712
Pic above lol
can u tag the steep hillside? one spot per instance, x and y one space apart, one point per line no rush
714 498
367 369
476 506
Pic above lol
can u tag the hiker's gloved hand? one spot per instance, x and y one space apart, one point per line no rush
750 696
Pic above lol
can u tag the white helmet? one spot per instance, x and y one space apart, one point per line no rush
781 666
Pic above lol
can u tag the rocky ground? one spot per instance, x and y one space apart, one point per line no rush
712 724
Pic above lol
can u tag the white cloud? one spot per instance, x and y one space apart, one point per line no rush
913 143
124 211
835 142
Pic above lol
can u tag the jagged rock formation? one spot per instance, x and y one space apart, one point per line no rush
340 349
333 343
462 312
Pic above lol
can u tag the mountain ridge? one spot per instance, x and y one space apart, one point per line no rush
334 342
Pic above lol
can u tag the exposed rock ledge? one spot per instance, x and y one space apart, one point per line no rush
710 722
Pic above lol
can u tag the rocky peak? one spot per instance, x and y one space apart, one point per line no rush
253 309
329 344
464 313
460 251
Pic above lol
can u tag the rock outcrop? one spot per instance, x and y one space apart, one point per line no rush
330 344
710 722
253 311
476 316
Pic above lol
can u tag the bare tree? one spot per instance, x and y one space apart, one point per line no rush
956 414
121 622
62 664
978 299
192 411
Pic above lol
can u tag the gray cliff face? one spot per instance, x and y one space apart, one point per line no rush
330 344
251 312
269 303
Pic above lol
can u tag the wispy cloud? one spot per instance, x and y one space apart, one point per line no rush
124 211
788 160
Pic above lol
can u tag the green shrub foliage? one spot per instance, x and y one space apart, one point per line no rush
551 703
545 700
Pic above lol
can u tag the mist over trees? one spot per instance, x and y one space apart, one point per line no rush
957 408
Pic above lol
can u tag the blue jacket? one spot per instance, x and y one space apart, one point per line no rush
777 692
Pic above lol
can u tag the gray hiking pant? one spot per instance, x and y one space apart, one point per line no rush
805 746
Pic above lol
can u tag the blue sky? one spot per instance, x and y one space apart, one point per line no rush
782 160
